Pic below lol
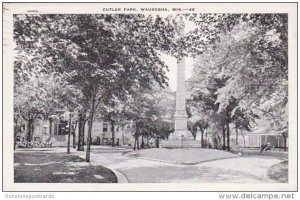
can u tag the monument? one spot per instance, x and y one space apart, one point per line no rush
181 136
181 129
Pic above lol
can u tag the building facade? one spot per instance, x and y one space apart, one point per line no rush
56 131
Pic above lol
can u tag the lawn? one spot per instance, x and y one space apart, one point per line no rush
182 156
279 172
43 167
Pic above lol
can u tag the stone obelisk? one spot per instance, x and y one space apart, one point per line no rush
181 130
180 114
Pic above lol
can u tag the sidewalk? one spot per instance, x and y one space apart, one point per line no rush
252 169
230 170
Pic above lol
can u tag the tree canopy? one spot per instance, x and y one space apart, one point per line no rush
110 64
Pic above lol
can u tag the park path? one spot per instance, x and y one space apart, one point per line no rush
249 169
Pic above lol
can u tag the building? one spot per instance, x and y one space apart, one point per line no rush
262 136
56 131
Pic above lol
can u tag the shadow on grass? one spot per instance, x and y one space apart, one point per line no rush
279 172
179 174
41 167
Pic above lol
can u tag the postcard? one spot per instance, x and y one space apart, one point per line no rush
149 97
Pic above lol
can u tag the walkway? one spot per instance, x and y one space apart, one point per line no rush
232 170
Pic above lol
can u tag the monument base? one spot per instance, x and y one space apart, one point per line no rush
181 135
181 139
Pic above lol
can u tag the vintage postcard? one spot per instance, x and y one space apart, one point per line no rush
150 97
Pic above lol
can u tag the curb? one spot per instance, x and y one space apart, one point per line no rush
121 178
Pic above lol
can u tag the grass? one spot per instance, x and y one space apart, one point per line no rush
41 167
279 172
183 156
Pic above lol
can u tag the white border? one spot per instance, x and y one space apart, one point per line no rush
11 8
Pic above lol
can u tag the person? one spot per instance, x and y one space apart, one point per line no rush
269 147
266 147
263 147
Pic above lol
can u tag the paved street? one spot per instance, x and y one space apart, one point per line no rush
248 169
232 170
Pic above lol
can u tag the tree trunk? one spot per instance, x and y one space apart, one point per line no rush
123 141
79 133
228 137
285 149
224 137
83 133
30 130
74 140
194 133
80 146
134 145
89 138
142 144
244 139
236 136
135 142
69 134
15 132
74 135
50 126
202 137
148 141
112 133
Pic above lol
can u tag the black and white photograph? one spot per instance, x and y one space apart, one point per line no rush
150 93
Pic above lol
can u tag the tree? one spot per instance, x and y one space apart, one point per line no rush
36 99
113 111
93 56
240 65
151 110
197 118
110 70
111 56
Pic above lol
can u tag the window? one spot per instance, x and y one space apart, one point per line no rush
105 127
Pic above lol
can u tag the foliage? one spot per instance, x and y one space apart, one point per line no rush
110 65
242 79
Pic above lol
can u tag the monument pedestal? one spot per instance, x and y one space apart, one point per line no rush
181 135
181 139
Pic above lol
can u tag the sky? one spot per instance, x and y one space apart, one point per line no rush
172 63
172 73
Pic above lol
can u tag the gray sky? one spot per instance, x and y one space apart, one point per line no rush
172 64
